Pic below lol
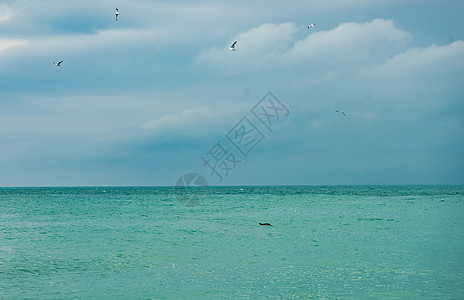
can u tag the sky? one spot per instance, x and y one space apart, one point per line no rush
157 94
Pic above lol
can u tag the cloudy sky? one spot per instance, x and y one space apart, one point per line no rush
147 98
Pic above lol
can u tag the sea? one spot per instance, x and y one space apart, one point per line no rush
325 242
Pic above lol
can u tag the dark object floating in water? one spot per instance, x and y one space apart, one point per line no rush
369 219
265 224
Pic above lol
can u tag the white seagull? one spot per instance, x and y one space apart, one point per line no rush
232 47
117 13
311 25
341 111
289 105
58 64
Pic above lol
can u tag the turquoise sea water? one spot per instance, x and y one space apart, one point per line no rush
346 242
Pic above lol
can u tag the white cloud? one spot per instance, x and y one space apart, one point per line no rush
428 61
181 120
348 42
275 45
5 12
195 122
76 42
255 48
6 43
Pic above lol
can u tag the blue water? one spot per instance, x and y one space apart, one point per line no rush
345 242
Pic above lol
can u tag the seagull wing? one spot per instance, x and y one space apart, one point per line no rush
59 63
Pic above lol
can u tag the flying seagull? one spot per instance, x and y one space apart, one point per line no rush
341 111
117 13
311 25
232 47
58 64
289 105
